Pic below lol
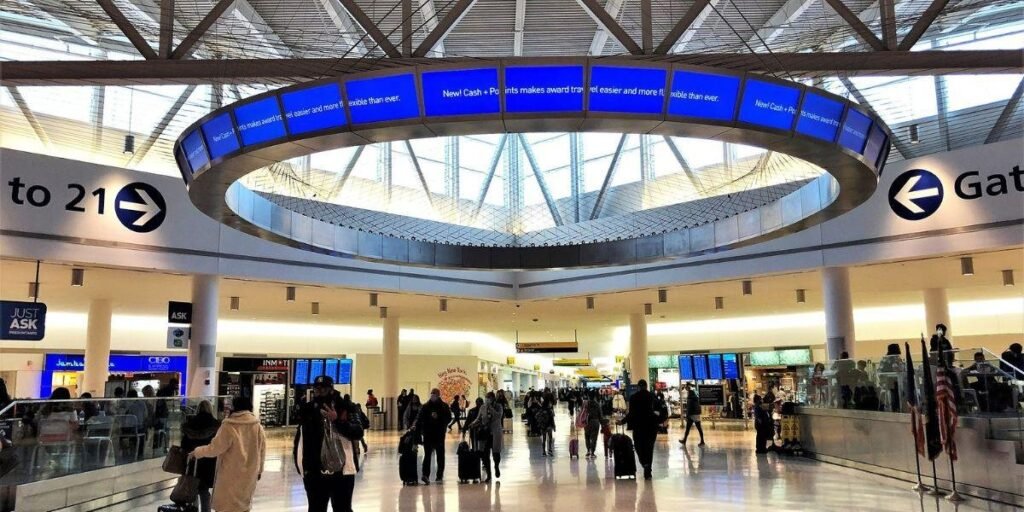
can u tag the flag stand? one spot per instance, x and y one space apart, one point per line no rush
935 481
920 487
954 496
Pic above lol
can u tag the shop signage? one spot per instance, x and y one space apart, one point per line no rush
918 193
179 312
273 365
177 337
511 361
22 321
547 348
119 363
453 381
571 362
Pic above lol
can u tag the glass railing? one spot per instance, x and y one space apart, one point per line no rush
45 439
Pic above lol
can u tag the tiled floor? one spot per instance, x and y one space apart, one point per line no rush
724 476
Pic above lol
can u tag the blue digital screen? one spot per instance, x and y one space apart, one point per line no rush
331 369
386 98
220 136
769 104
260 121
462 92
730 364
704 95
313 109
627 90
875 147
700 366
195 151
302 371
544 89
820 117
715 366
316 368
344 372
685 367
855 131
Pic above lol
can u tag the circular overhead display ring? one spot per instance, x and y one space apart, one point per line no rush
518 95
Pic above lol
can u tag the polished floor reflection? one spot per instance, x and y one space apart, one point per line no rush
723 476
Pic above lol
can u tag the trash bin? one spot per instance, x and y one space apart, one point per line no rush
377 421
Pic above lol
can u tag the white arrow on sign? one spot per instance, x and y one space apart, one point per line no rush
148 207
906 196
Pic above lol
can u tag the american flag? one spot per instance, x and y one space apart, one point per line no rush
947 406
916 422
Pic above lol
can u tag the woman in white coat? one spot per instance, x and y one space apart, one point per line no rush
240 447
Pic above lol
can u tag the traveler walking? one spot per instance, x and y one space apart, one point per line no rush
643 419
431 423
401 402
764 427
692 414
591 419
412 411
240 447
456 409
199 430
544 419
486 432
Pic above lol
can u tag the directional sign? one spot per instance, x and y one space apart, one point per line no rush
915 194
140 207
179 312
547 348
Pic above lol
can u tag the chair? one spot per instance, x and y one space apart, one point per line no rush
126 426
99 432
55 434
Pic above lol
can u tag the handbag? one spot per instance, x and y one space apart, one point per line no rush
507 413
582 417
186 491
175 461
332 454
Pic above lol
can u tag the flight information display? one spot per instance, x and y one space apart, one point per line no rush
769 104
302 371
384 98
685 367
876 144
316 369
461 92
544 89
313 109
220 136
820 117
627 90
715 366
704 95
855 131
700 366
731 366
331 369
260 121
195 150
344 371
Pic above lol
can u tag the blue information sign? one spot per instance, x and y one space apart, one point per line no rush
685 367
195 150
769 104
316 369
313 109
855 131
700 366
462 92
260 121
220 135
715 366
331 369
628 90
820 117
302 371
544 89
704 95
731 367
344 371
119 363
22 321
875 147
385 98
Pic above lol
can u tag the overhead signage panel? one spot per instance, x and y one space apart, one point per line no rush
731 367
179 312
571 362
301 371
627 90
820 117
769 104
685 367
543 89
715 366
876 144
855 131
704 95
313 109
220 135
195 150
344 372
22 321
547 348
700 366
260 121
383 98
461 92
316 369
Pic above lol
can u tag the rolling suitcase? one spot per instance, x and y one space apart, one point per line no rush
407 454
625 462
574 446
177 508
469 463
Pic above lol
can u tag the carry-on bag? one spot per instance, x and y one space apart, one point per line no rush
574 445
625 462
177 508
186 491
408 471
469 463
175 461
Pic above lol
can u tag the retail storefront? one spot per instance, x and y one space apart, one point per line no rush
275 383
127 371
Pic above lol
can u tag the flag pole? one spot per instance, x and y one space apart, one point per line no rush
920 487
915 418
935 482
954 496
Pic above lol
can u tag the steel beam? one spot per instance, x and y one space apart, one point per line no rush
443 27
863 32
791 11
607 21
1006 114
161 126
370 28
601 35
419 173
541 180
489 177
429 13
128 29
576 173
942 111
406 28
349 167
19 100
608 177
888 9
517 42
922 24
166 27
184 50
99 96
687 170
646 27
680 27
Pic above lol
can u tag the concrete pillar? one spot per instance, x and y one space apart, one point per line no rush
202 348
97 348
936 311
638 347
840 335
390 363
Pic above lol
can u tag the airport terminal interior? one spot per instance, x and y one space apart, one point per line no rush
485 255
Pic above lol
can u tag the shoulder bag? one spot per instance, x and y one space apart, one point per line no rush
186 491
332 453
175 461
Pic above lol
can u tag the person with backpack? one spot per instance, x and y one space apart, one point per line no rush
431 424
240 447
456 408
643 419
544 419
364 421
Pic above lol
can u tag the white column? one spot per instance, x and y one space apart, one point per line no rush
390 352
202 348
840 335
936 310
637 347
97 348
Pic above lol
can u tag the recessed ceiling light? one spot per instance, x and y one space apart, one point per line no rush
1008 277
290 294
77 277
967 266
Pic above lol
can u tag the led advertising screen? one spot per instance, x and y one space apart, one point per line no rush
302 371
331 369
461 92
700 366
703 95
381 99
220 136
769 104
195 151
685 367
731 366
875 145
313 109
715 366
543 89
344 371
855 131
260 121
627 90
316 369
820 117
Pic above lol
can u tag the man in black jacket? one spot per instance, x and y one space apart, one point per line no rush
321 487
643 418
432 424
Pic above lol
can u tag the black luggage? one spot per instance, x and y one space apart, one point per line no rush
177 508
625 461
469 463
407 453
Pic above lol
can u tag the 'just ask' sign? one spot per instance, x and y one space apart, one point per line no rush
22 321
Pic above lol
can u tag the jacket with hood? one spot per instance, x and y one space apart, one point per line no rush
198 431
240 447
